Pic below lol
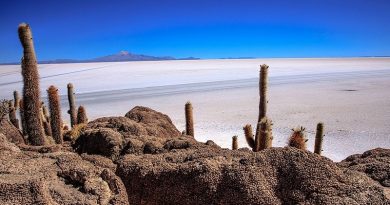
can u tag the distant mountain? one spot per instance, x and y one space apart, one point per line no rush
119 57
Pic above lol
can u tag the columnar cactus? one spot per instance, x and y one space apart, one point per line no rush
319 138
189 119
81 115
55 114
31 94
298 138
12 115
72 107
265 134
45 120
16 100
263 87
234 143
22 119
249 136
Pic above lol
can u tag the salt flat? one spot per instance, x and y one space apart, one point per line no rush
350 95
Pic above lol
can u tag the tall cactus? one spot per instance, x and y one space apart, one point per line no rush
55 114
263 87
265 134
12 115
31 94
189 119
319 138
81 115
72 107
16 100
234 143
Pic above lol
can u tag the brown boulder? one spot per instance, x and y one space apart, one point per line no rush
374 163
11 132
209 175
156 123
56 178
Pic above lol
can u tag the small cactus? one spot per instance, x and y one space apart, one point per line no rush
81 115
16 100
189 119
55 114
45 120
298 138
31 93
12 115
319 138
249 136
22 121
72 107
234 143
266 134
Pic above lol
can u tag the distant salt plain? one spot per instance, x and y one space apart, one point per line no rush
350 95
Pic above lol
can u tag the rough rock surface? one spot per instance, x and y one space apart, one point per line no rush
55 178
11 132
374 163
143 159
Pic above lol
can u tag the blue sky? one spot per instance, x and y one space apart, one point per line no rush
85 29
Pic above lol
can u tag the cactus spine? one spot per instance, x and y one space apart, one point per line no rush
265 134
189 119
12 115
81 115
16 100
319 138
298 138
234 143
72 106
55 114
31 92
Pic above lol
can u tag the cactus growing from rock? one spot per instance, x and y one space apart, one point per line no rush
16 100
249 136
189 119
234 143
319 138
31 93
55 114
81 115
263 87
21 112
265 134
298 138
72 107
12 115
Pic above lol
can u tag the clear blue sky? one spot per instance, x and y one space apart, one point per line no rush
83 29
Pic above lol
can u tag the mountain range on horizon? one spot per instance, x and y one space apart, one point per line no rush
122 56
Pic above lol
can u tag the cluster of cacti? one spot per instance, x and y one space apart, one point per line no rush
55 114
263 136
234 143
189 119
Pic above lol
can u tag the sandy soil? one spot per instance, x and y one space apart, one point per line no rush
351 96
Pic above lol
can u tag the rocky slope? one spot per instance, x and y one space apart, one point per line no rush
142 158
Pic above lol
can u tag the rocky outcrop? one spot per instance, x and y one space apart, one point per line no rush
11 132
374 163
143 159
56 178
219 176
